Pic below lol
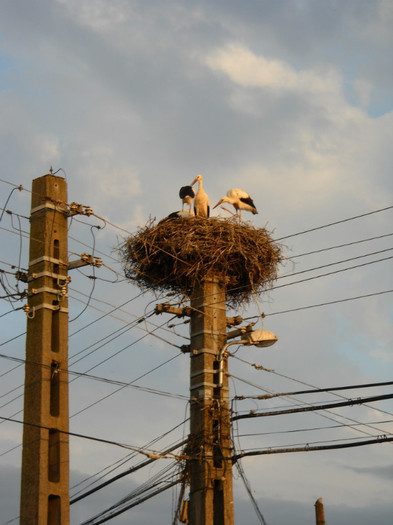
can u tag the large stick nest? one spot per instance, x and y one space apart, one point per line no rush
176 254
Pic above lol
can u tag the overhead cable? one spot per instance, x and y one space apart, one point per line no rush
333 223
152 454
331 273
350 402
324 304
334 263
314 429
340 246
307 448
97 521
127 472
316 390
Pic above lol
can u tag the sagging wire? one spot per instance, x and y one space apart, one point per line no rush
247 486
94 279
57 171
20 188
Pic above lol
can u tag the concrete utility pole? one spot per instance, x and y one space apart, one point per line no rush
45 458
319 512
211 496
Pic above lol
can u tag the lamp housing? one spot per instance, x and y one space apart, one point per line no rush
260 338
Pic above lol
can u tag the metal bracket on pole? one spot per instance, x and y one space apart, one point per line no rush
240 331
84 261
186 311
166 307
79 209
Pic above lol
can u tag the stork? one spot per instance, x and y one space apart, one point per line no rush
201 203
240 200
187 195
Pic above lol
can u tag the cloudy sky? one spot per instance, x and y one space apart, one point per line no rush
290 100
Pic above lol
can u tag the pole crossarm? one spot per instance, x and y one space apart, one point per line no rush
187 310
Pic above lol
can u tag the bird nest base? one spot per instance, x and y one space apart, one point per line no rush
178 254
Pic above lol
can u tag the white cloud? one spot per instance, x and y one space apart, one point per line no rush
249 70
116 93
98 15
323 145
363 91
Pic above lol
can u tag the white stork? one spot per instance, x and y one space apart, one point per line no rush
201 203
187 195
240 200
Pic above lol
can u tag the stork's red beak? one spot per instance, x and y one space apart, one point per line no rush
218 203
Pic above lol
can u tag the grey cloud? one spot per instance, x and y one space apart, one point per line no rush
384 472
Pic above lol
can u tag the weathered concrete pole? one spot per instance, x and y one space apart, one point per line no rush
45 457
319 512
211 496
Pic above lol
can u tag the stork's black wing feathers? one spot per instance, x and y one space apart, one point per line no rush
248 200
186 191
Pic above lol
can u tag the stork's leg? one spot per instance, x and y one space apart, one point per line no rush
226 209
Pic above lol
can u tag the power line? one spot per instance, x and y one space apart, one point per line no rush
20 188
123 386
127 472
350 402
121 506
122 461
340 246
87 376
329 417
93 521
331 273
324 304
316 390
334 263
152 454
307 448
333 223
106 314
246 483
313 429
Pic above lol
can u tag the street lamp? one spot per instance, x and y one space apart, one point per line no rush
258 338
